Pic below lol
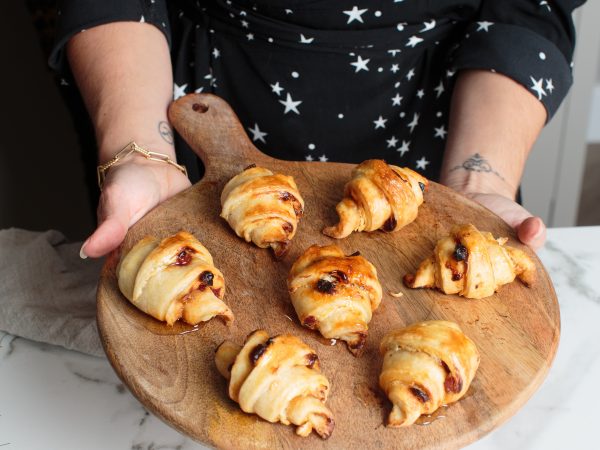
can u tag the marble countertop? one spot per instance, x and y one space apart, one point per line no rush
51 398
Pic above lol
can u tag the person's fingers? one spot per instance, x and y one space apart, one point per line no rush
532 232
114 217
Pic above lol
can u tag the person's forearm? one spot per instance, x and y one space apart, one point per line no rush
494 122
123 71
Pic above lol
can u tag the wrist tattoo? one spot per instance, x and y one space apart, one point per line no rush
477 163
164 129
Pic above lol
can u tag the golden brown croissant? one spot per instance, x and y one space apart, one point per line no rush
378 196
279 379
472 264
425 365
335 294
263 207
172 279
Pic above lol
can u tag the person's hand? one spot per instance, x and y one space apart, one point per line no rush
530 230
130 190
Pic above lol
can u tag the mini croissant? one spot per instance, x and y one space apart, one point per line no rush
378 196
172 279
335 294
425 366
472 264
279 379
263 207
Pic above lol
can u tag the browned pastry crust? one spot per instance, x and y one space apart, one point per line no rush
335 294
263 207
472 264
173 279
426 365
279 379
378 196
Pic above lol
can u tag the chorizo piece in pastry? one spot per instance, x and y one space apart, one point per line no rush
425 365
378 196
173 279
263 207
335 294
472 264
279 379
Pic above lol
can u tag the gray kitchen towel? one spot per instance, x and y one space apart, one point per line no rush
47 292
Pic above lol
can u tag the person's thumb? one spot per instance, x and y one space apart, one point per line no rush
532 232
114 218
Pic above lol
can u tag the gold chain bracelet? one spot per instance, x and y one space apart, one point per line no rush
130 148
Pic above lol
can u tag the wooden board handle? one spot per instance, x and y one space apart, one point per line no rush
211 128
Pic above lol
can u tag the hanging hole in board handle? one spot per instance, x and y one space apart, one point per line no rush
200 107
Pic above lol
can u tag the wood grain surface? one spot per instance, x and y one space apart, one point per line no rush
171 370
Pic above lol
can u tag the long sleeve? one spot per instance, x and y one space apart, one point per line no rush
75 16
529 41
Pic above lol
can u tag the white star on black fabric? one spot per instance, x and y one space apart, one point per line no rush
305 40
179 91
410 74
439 89
308 158
392 141
413 41
404 147
549 85
355 14
360 64
216 53
290 105
380 122
276 88
250 36
396 100
440 132
422 163
428 26
323 158
537 87
257 135
394 51
420 93
395 68
413 123
484 26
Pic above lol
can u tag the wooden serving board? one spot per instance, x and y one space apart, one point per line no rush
171 370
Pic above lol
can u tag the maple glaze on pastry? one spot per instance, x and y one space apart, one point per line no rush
174 278
425 365
378 196
472 264
279 379
335 294
263 207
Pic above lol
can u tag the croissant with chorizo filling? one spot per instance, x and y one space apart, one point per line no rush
335 294
425 365
378 196
263 207
279 379
472 264
173 279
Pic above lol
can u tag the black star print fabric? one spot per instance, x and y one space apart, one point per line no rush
347 80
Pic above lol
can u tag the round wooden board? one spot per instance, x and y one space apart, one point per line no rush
171 370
